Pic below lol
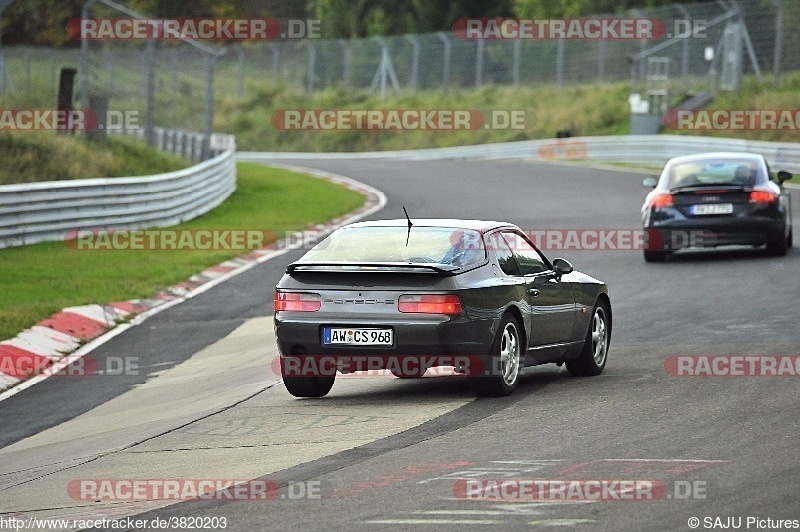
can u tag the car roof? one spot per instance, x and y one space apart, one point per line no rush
481 226
716 155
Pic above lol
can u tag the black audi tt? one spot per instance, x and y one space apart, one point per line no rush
717 199
403 296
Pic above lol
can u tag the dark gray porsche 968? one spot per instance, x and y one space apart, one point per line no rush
474 295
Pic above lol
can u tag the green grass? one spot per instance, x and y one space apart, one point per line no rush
584 110
32 156
41 279
595 109
755 95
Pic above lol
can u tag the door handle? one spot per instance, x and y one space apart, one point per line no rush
533 291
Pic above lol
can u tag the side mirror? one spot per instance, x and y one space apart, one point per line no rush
783 175
562 266
650 181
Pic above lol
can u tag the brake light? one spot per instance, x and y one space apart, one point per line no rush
430 303
297 301
763 196
661 200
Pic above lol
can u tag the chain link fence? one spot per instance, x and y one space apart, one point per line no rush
171 83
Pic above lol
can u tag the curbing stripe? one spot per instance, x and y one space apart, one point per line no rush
36 349
21 364
101 313
63 333
76 325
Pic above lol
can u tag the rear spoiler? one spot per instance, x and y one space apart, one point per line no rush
372 267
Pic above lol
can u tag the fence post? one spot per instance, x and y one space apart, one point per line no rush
28 53
312 66
85 58
446 66
479 63
345 62
112 72
240 81
684 45
276 57
601 59
209 104
560 62
149 124
414 82
776 60
3 5
515 62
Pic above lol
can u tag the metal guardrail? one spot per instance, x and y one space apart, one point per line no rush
47 211
38 212
652 150
187 144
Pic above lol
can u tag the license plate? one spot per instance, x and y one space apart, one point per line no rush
712 208
356 336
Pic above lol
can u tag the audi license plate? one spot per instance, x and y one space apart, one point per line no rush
712 208
356 336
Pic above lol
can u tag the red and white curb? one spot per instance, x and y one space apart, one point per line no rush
56 342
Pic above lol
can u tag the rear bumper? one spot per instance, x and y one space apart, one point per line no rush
434 336
682 234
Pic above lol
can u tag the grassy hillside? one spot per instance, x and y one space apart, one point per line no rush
30 156
596 109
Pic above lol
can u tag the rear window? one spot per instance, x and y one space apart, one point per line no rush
714 172
432 245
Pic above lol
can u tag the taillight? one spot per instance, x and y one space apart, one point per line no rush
430 303
763 196
298 301
661 200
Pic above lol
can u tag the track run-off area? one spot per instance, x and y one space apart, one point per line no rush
662 436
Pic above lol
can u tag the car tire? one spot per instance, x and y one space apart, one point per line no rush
779 246
505 357
594 354
306 385
655 256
